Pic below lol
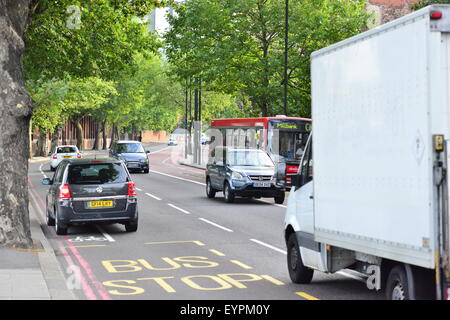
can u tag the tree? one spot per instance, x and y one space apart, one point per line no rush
238 45
15 104
100 43
15 113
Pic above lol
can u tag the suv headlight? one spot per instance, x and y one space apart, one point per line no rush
143 160
237 176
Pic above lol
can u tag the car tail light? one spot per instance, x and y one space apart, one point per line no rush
131 189
79 156
55 157
64 192
291 169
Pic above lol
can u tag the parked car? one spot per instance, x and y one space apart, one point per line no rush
243 172
91 191
63 152
132 153
172 142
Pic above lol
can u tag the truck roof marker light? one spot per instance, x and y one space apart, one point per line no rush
435 15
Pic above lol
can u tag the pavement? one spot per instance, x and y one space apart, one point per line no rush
32 274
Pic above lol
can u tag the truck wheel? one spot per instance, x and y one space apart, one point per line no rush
228 194
297 271
210 191
280 199
397 284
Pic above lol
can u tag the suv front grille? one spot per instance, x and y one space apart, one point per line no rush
260 178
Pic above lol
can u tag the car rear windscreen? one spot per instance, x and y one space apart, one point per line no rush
96 173
129 148
66 150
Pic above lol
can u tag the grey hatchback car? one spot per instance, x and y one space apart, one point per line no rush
243 172
91 191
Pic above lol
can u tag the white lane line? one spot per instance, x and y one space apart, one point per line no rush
269 246
153 196
216 225
178 208
105 234
40 169
175 177
138 189
160 150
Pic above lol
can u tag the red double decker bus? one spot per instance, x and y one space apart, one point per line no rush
281 137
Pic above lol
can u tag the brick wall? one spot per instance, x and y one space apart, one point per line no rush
154 136
387 10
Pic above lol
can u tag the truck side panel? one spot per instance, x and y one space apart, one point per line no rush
372 144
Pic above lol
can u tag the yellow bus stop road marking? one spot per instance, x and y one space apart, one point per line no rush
306 296
199 243
240 264
217 252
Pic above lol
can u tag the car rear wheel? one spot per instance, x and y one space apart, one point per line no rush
131 226
50 221
210 191
61 229
280 199
228 194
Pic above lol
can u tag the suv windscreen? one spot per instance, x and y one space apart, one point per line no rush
66 150
96 173
129 148
249 158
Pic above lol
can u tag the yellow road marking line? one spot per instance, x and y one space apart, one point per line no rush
199 243
306 296
216 252
240 264
273 280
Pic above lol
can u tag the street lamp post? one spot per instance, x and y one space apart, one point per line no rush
286 43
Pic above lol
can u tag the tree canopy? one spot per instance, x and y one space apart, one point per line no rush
238 45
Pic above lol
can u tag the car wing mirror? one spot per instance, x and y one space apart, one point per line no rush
47 181
147 151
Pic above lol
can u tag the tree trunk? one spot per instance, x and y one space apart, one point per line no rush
105 136
42 144
80 134
54 139
97 136
15 114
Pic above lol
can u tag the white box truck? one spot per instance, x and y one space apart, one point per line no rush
377 199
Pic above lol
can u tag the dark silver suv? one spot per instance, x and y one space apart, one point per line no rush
91 191
244 172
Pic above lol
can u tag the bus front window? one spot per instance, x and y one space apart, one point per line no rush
291 144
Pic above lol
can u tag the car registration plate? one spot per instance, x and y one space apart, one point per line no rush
261 184
67 157
133 165
100 204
